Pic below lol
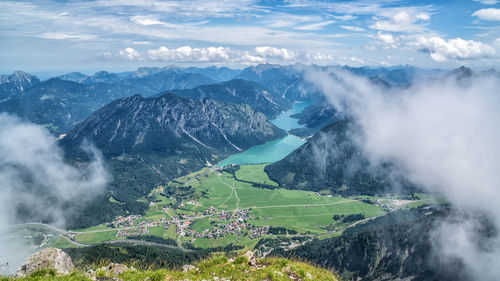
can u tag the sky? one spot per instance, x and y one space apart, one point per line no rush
56 36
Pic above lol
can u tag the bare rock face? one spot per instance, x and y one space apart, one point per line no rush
115 269
47 258
251 258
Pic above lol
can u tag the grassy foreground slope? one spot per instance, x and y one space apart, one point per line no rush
214 268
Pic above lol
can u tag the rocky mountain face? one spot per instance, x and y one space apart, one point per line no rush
59 104
49 258
330 160
137 124
286 81
14 84
240 91
147 141
217 73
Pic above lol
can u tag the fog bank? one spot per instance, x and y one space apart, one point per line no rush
443 135
37 185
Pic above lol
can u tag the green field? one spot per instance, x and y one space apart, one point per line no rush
299 210
98 227
255 173
202 224
170 232
61 243
96 237
303 211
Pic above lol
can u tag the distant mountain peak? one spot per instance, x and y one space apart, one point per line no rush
462 73
19 81
74 76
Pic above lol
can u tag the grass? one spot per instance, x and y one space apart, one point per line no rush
156 231
170 232
61 243
96 237
93 228
255 173
303 211
217 267
295 209
201 224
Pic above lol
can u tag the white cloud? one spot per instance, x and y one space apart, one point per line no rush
35 177
388 40
496 43
411 20
187 8
130 54
188 54
271 52
315 26
487 2
66 36
357 60
141 43
148 20
444 137
344 17
490 14
352 28
441 50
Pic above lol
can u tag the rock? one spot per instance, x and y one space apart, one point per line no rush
116 269
309 276
47 258
188 267
251 258
250 255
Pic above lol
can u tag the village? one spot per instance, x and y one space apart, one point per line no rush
226 223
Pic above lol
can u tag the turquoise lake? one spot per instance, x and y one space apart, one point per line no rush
274 150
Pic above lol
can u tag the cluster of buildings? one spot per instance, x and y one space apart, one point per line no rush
132 231
129 226
125 221
228 223
221 230
241 215
258 231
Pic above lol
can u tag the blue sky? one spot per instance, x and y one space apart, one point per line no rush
59 36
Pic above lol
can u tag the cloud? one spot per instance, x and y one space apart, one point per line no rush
357 60
496 43
271 52
36 183
130 54
314 26
387 40
490 14
487 2
66 36
352 28
344 17
408 21
186 8
148 20
188 54
444 136
441 50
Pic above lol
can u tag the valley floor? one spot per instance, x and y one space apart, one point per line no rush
218 207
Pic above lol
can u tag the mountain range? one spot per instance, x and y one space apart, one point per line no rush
149 141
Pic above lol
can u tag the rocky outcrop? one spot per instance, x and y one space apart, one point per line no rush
47 258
